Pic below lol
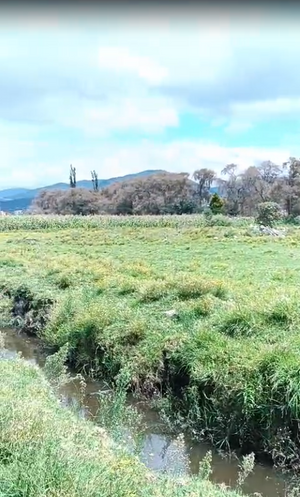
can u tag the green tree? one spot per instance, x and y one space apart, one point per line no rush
216 204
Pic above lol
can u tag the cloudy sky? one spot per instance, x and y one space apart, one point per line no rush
123 91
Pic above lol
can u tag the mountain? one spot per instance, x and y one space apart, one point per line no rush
13 199
12 192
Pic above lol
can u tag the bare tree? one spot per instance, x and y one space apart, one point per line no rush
264 178
232 189
164 193
204 177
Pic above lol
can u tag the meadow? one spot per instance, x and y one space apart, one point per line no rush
225 363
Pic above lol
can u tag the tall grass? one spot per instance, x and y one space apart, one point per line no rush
46 450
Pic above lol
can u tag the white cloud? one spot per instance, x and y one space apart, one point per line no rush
118 160
151 115
176 156
103 76
267 108
120 58
217 65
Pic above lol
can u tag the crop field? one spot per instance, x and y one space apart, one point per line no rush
227 356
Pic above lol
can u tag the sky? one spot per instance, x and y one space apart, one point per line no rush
124 90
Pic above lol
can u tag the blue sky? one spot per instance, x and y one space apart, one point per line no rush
175 90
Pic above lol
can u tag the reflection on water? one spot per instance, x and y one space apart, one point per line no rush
160 452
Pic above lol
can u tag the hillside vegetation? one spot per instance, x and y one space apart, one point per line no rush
169 193
228 354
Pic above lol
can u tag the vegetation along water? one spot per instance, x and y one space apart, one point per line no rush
199 316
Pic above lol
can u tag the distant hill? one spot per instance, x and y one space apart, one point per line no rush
13 199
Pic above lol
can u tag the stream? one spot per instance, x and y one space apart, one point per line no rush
160 451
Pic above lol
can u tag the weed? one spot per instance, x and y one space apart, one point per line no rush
205 467
246 467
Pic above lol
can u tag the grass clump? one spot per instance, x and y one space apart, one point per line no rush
152 291
202 307
240 322
192 287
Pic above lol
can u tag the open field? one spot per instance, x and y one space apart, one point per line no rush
231 355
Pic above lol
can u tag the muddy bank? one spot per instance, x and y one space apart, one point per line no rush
161 451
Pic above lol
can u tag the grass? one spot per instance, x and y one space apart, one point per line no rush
229 358
46 450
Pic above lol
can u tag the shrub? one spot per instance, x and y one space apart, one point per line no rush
268 213
216 204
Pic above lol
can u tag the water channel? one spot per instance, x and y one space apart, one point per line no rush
160 451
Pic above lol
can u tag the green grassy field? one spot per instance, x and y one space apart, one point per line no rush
231 357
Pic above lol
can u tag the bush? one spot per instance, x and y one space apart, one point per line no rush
268 213
216 204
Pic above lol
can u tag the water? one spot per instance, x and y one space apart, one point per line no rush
160 451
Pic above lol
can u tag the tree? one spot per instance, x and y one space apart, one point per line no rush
164 193
263 179
204 177
233 189
216 204
72 176
291 186
240 193
78 201
95 181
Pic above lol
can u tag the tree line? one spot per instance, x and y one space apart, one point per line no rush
238 193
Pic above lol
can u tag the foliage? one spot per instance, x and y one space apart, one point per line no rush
246 467
268 214
216 204
76 201
164 193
